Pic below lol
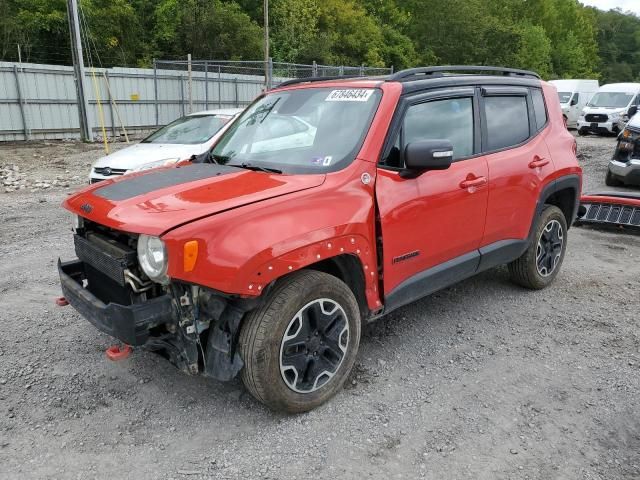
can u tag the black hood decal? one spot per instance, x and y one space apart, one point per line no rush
129 188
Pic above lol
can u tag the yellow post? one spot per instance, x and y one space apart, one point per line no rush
100 113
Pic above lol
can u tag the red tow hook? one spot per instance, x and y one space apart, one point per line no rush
61 302
115 353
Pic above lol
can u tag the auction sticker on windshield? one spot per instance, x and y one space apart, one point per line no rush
350 95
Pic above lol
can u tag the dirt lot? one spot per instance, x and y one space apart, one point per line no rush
482 381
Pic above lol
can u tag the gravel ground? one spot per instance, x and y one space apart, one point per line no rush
483 380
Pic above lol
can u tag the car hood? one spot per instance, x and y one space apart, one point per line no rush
157 201
142 153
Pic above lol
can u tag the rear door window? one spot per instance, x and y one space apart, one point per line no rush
507 121
539 108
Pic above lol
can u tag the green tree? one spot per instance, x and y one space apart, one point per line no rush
207 29
294 27
40 27
534 50
618 45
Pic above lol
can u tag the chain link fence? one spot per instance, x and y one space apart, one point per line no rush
221 83
39 101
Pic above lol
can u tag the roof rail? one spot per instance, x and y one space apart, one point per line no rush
316 79
411 73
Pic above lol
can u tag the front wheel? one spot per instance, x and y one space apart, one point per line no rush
540 263
300 345
582 132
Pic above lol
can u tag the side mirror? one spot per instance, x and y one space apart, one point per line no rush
425 155
632 110
574 101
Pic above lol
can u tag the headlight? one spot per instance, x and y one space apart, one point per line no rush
153 258
159 163
614 116
630 135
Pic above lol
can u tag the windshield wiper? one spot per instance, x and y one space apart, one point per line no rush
257 168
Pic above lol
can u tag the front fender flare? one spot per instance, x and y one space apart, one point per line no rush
253 280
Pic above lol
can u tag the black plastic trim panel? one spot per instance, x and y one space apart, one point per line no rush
432 280
453 271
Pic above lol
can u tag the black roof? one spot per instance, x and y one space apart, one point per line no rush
428 73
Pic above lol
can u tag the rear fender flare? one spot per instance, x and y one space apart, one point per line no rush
562 183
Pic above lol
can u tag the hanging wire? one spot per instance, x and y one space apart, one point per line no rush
86 41
113 103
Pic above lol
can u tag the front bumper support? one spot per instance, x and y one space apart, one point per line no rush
628 172
128 323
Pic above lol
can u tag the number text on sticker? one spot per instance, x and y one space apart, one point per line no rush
350 95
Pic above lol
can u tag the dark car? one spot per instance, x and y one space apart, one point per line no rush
624 167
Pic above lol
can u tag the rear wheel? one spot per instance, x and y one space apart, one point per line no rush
611 181
300 346
539 265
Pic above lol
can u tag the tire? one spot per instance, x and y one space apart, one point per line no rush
582 132
306 312
611 181
526 271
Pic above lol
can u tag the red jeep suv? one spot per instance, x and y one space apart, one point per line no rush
329 203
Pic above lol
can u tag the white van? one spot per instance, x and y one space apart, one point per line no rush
609 109
574 96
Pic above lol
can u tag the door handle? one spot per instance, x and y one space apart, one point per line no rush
475 182
538 162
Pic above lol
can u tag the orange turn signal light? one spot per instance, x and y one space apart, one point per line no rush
190 255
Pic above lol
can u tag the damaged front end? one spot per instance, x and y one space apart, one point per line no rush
624 167
195 328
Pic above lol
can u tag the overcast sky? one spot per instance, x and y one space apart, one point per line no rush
631 5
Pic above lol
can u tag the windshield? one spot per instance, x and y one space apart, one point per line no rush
611 99
189 130
300 131
564 97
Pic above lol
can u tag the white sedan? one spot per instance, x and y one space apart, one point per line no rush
191 135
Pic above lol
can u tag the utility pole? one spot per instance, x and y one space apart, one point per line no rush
86 130
267 73
189 84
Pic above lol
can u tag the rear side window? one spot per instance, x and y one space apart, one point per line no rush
539 108
450 119
507 121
